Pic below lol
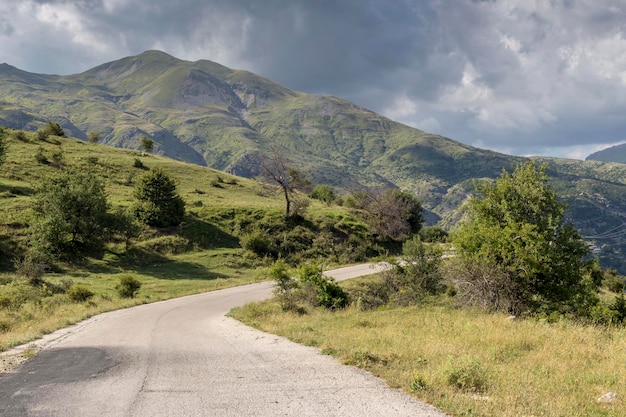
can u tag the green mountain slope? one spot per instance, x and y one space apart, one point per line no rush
207 114
612 154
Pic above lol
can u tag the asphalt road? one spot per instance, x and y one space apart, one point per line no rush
183 357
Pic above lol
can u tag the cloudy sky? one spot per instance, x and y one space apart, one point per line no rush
524 77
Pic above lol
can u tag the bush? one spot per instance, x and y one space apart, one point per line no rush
41 158
16 294
465 374
42 135
54 129
70 214
20 135
32 267
433 234
613 281
368 295
417 275
325 193
168 245
57 159
128 286
79 293
258 242
138 164
285 285
310 286
318 290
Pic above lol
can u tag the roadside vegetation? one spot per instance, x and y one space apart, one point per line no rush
467 362
505 314
86 228
513 318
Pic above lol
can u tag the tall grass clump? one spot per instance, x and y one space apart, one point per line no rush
128 286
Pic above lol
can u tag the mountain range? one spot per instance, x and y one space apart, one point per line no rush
207 114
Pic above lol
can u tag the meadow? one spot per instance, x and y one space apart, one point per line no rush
466 362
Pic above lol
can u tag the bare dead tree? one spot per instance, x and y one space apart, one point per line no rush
275 168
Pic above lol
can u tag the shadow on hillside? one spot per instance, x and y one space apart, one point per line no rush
146 262
16 190
207 236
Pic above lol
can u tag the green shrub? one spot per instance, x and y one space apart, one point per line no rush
417 275
217 182
368 295
365 359
42 135
258 242
168 245
285 284
20 135
54 129
79 293
32 267
5 325
40 157
433 234
417 383
128 286
16 294
613 281
465 373
138 164
57 159
318 290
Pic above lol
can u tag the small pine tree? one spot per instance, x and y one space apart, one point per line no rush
157 201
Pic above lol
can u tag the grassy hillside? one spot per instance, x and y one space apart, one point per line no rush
204 113
612 154
204 253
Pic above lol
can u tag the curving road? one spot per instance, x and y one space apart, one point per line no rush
183 357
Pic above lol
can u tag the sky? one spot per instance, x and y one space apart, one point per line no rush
522 77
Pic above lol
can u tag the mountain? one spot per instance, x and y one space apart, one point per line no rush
613 154
208 114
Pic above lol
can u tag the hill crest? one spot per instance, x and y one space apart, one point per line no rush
207 114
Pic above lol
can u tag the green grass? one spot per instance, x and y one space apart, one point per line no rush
210 259
466 362
202 254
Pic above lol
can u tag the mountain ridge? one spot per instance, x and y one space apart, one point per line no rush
227 119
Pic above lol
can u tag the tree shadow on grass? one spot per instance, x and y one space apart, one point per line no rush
205 235
150 263
16 190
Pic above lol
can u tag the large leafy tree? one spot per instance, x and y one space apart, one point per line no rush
70 214
516 252
157 200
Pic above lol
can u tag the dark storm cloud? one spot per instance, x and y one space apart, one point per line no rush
515 75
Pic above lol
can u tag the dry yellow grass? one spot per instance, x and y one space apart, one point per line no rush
469 363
